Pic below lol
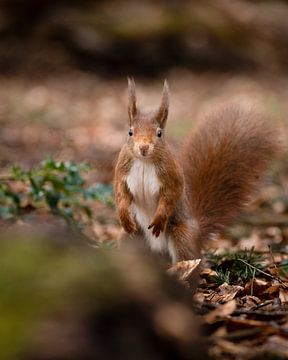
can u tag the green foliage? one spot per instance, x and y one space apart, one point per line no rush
235 267
284 268
57 185
222 277
9 202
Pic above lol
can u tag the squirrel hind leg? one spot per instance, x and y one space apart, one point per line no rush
182 244
183 247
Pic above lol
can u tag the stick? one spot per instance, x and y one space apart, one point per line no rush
264 273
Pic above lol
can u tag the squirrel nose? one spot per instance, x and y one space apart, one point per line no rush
144 149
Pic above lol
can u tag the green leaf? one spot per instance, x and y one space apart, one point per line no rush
100 192
58 185
18 173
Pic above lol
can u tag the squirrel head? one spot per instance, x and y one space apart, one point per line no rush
146 129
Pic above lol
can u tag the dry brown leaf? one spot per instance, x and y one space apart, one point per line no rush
235 324
207 272
184 269
222 311
225 293
273 271
283 295
272 290
256 287
249 302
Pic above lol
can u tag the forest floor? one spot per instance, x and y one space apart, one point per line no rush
243 294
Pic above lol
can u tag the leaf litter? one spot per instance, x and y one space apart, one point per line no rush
249 312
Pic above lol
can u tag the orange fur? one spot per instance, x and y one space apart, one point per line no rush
223 160
178 204
123 197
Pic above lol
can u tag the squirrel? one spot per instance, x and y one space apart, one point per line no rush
178 203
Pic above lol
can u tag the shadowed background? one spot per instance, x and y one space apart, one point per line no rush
63 68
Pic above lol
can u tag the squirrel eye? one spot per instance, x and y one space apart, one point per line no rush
130 132
159 133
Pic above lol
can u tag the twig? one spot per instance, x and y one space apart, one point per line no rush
252 283
264 273
272 256
260 306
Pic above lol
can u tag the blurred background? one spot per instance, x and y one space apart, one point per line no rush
64 64
63 79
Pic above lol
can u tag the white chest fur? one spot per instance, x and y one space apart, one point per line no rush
143 182
144 185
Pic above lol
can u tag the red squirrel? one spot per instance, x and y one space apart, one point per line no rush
177 203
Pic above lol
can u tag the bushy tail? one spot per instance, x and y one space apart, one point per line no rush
223 160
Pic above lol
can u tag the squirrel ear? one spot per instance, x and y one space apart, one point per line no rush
132 109
162 113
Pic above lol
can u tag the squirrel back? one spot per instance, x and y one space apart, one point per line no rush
223 160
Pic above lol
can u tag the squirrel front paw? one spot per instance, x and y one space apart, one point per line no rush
129 225
158 225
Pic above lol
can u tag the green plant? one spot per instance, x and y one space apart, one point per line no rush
9 202
59 186
284 268
234 267
222 277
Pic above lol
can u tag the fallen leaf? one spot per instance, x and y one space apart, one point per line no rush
207 272
184 269
272 290
273 271
267 328
225 293
283 295
222 311
256 287
249 302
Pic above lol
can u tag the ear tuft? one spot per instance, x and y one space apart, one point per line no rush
132 109
162 114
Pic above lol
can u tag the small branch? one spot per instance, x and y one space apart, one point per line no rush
260 306
264 273
272 256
